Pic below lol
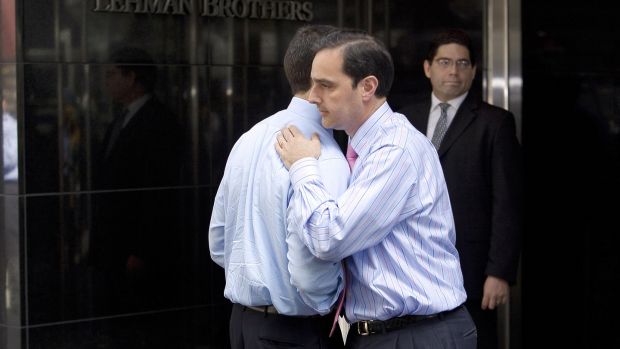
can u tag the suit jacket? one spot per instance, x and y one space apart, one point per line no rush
146 152
140 220
481 160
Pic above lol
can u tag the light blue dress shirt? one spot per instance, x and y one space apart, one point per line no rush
394 223
264 264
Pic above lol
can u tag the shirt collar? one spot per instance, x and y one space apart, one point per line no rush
304 109
358 142
133 108
454 103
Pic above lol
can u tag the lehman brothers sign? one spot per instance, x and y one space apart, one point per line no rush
255 9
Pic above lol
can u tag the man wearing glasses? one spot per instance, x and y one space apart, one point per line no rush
481 160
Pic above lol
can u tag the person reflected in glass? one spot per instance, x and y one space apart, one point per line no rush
136 246
9 144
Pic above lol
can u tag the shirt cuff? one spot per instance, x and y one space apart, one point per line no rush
304 170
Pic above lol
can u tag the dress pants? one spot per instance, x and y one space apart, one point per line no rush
251 329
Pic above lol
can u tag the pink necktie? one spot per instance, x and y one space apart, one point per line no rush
341 298
351 156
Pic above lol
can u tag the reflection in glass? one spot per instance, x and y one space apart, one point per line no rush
9 144
136 251
9 126
10 283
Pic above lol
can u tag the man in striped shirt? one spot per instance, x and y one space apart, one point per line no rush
393 226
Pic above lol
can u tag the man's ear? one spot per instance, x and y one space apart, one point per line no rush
369 86
427 68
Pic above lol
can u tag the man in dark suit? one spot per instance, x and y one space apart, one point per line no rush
481 160
136 248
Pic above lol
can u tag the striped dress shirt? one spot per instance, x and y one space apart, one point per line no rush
393 224
264 263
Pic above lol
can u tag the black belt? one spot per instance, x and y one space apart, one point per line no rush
368 327
267 309
271 310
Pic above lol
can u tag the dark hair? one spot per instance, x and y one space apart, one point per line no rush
300 53
451 36
133 59
363 55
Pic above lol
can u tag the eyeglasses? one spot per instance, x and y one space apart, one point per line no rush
445 63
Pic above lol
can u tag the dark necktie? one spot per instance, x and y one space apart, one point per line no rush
117 126
442 125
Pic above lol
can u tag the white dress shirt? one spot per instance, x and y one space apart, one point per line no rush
435 112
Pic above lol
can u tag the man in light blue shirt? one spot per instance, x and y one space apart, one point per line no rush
394 223
279 289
